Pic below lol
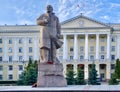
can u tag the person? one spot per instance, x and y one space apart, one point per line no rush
49 35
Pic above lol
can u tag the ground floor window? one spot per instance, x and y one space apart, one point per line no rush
10 77
102 76
1 77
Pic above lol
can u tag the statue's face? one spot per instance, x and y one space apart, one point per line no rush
49 8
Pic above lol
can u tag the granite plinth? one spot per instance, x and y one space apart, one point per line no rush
51 75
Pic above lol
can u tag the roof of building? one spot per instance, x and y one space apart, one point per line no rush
82 16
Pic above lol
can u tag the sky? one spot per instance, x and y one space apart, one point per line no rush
22 12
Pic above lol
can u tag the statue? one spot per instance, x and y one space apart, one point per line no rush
50 70
49 36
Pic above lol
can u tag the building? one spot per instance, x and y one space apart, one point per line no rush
86 41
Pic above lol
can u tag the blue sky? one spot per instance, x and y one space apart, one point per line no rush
22 12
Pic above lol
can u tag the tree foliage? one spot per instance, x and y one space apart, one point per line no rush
70 76
116 74
80 77
93 80
29 75
113 80
117 69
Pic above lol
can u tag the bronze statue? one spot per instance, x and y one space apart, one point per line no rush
49 36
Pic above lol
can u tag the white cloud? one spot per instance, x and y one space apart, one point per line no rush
106 17
71 8
114 5
19 11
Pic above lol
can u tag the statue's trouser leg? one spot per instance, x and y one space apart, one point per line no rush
44 54
54 53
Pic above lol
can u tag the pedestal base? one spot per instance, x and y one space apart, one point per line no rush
51 75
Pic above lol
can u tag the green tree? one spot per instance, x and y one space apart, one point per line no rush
117 69
29 75
70 76
93 80
113 80
80 77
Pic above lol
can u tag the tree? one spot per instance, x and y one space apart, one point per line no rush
93 80
80 77
29 75
117 69
70 76
113 80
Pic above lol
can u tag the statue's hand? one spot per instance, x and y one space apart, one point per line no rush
46 21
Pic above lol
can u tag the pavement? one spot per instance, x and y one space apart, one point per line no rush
68 88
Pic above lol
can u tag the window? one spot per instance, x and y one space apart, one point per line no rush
91 57
81 39
91 48
71 39
0 58
20 49
102 67
111 74
20 58
0 50
0 41
19 76
102 39
91 39
113 39
10 76
112 66
30 57
1 77
30 49
113 48
71 49
102 75
112 57
10 41
10 67
60 58
102 57
81 58
1 68
10 50
20 40
10 58
81 49
102 48
30 40
71 57
20 67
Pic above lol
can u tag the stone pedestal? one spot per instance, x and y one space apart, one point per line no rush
51 75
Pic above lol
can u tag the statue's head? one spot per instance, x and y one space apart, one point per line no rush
49 8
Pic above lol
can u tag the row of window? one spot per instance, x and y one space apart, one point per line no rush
10 67
20 58
92 39
102 48
20 50
91 58
10 49
10 76
20 41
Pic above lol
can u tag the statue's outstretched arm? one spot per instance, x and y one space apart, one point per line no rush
41 21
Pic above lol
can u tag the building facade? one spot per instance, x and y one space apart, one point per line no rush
86 41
